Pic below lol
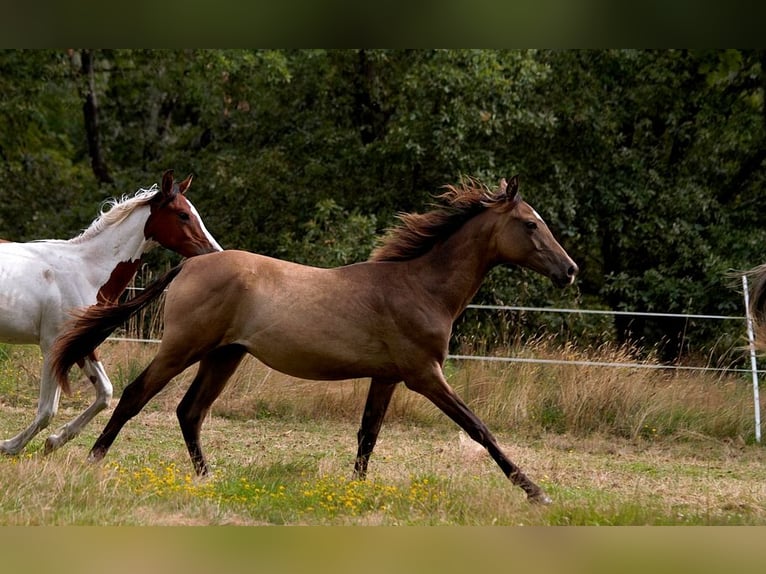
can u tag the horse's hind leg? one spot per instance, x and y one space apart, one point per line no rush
215 369
135 396
47 406
96 374
434 387
378 399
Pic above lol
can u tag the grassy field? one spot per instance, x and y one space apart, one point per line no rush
610 446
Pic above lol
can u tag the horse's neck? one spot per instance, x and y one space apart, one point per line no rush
454 269
114 253
122 241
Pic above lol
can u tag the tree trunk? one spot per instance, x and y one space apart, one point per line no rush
90 113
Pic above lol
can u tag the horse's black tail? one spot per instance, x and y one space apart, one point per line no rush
758 305
92 325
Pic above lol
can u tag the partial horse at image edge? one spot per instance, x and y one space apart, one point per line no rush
389 318
42 281
757 277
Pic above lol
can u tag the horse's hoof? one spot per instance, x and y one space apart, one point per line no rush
540 498
8 449
95 456
51 444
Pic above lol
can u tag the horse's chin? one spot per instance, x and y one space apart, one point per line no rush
562 281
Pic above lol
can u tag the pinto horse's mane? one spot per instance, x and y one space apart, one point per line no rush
417 233
113 211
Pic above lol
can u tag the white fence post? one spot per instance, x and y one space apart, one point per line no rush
751 340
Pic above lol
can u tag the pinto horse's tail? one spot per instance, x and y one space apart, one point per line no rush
91 326
758 305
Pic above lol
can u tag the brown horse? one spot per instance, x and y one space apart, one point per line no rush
389 318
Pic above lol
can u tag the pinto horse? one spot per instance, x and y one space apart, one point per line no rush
42 281
388 318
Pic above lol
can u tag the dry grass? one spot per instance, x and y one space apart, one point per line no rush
612 446
585 399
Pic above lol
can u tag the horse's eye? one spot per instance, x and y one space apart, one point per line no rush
184 216
531 225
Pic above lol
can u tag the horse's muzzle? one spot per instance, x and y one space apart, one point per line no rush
566 276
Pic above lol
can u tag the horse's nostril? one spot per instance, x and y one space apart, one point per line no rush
572 271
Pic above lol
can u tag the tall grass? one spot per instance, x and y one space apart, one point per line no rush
612 446
530 398
147 323
623 401
522 398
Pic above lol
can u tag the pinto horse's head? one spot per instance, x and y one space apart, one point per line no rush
174 223
523 238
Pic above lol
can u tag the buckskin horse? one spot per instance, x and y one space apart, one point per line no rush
42 281
389 318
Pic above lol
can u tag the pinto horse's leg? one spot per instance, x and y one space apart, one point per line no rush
433 385
378 399
94 370
47 406
215 369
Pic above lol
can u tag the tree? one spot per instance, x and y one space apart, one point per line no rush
91 120
41 183
647 164
654 142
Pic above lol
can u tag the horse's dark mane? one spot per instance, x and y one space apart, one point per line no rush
417 233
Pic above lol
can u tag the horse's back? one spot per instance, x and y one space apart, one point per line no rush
36 264
37 288
248 286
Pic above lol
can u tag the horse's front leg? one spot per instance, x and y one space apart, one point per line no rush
432 384
96 374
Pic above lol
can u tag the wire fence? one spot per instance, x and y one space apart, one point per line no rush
745 319
621 364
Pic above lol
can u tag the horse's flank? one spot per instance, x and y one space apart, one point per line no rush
757 277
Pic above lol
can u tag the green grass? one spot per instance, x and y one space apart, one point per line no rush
287 472
609 448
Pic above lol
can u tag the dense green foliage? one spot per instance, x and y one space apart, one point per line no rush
648 165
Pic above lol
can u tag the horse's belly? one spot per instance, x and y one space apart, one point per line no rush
324 362
323 371
19 324
12 335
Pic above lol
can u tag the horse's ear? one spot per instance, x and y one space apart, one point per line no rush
167 183
512 189
503 187
184 185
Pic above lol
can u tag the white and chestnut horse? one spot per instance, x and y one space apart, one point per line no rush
41 282
389 318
